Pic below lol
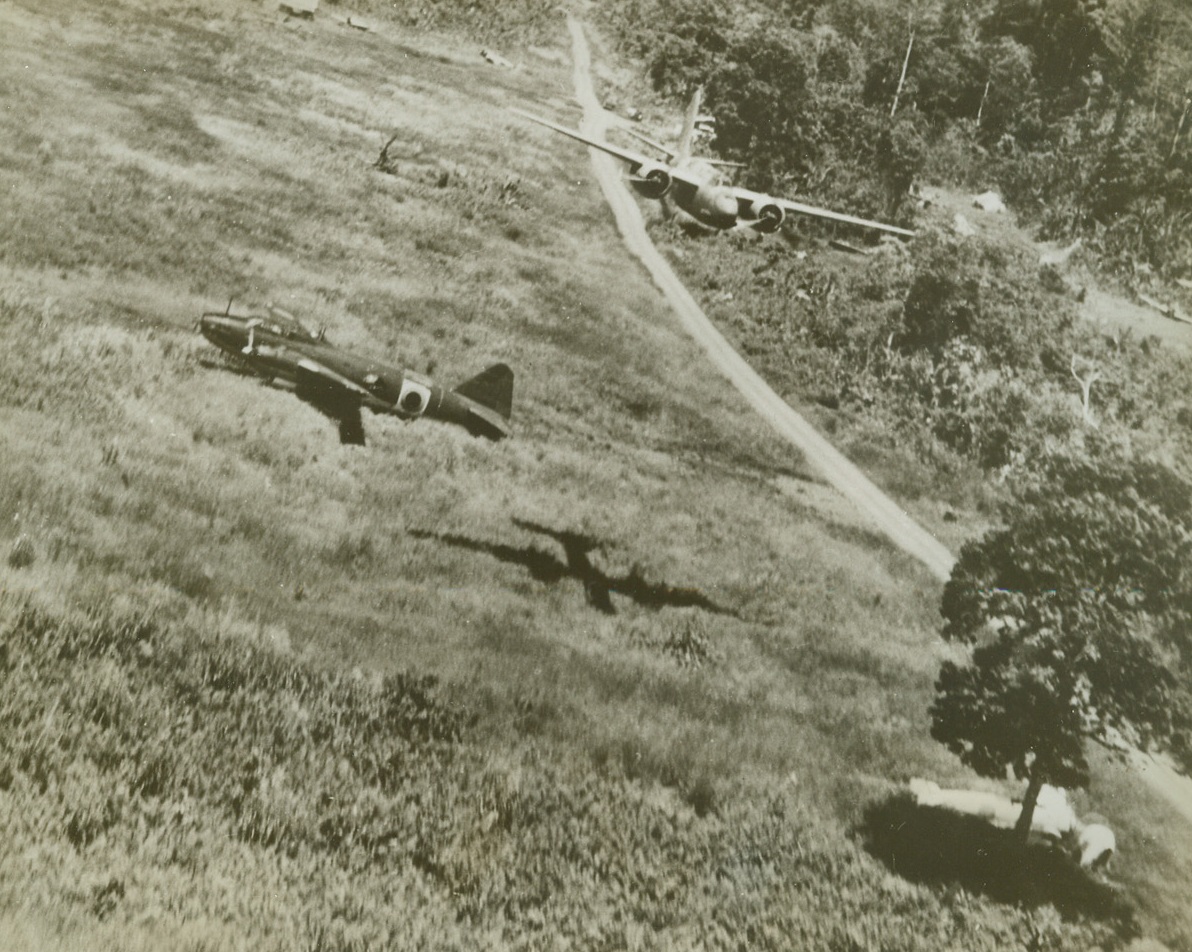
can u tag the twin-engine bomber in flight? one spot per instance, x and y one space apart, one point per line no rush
690 183
278 348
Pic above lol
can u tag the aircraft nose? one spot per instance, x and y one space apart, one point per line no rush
221 331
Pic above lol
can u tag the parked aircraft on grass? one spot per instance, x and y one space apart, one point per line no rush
691 184
278 348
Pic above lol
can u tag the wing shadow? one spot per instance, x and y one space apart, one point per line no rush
576 563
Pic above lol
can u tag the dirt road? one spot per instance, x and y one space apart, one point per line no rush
836 469
832 464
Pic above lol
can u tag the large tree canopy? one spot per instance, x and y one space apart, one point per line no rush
1103 521
1079 611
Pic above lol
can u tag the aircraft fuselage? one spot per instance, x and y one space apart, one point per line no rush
709 204
690 185
338 381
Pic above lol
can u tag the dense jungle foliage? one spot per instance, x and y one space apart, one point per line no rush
1077 109
967 360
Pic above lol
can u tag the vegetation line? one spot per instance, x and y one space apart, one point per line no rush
907 534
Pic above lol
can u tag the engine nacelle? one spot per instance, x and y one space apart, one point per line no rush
769 219
652 181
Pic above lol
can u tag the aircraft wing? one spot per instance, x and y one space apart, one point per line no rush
318 379
335 395
750 202
635 160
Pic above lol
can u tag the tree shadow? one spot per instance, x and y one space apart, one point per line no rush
599 586
936 846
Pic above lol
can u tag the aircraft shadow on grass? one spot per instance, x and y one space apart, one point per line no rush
599 586
936 846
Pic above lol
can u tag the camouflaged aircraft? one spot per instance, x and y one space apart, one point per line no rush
690 184
284 352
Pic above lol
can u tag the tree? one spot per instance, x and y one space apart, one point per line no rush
943 303
1066 36
1078 610
759 97
1101 520
681 41
901 151
1010 104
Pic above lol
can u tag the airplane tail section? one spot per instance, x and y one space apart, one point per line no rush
491 388
687 136
670 155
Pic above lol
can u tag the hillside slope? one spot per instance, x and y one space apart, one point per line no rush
260 688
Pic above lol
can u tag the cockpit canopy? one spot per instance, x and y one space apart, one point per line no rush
285 324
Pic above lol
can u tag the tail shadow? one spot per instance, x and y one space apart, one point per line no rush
936 846
577 564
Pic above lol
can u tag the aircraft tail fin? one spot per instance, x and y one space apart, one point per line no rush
491 388
687 136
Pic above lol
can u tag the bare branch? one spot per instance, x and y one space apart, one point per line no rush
1086 387
902 78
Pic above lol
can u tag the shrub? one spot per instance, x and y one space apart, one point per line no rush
22 554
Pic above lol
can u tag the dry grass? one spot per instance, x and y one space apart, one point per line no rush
181 158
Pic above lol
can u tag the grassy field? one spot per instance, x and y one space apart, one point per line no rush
264 690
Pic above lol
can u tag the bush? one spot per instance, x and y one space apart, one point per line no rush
22 554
